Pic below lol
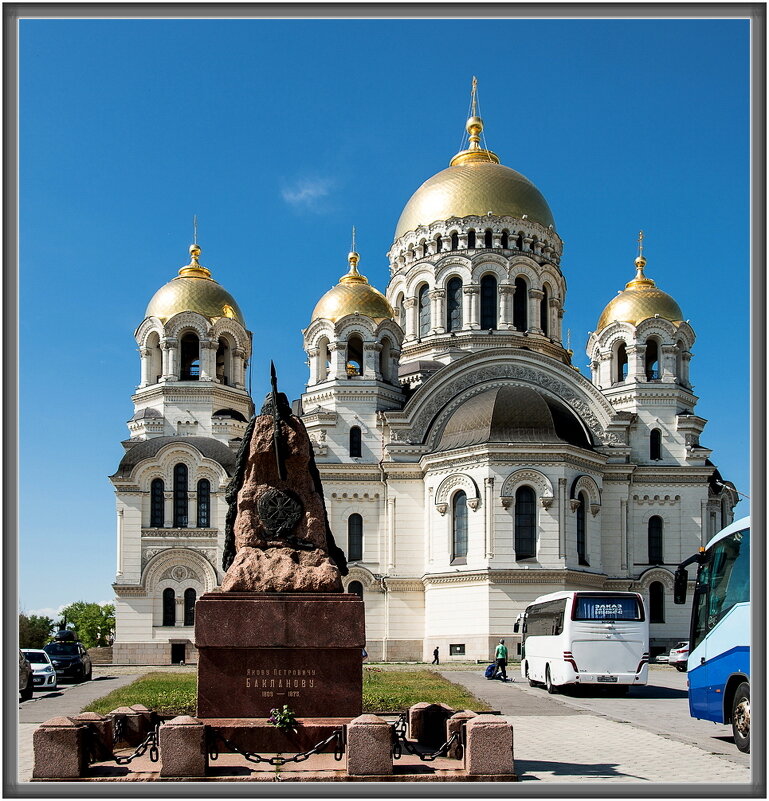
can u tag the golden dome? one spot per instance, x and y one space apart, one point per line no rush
475 183
194 290
353 294
640 300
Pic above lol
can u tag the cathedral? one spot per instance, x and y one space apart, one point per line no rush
468 466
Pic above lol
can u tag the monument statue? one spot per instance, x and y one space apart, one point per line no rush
277 536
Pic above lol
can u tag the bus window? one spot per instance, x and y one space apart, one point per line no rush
617 607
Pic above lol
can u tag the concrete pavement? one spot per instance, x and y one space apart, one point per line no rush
557 741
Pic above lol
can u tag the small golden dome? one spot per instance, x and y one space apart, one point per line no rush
194 290
640 300
475 183
353 294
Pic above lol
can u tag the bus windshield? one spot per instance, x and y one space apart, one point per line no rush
606 607
722 582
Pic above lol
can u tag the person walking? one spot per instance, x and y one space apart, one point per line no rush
436 657
501 658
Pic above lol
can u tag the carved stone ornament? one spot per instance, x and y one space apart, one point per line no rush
473 503
279 511
546 501
442 508
595 508
179 573
575 504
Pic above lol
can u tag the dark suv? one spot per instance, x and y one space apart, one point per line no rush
69 657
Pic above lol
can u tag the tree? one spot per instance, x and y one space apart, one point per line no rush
93 623
34 630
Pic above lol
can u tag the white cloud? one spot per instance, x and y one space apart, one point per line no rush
306 193
47 611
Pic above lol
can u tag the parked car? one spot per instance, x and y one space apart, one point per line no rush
26 687
679 655
44 676
661 658
69 657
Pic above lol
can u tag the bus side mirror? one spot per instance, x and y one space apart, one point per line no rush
679 585
517 626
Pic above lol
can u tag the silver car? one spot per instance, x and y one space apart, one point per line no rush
44 673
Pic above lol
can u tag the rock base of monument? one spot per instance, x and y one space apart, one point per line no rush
260 651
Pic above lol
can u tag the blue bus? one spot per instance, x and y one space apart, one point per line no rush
719 639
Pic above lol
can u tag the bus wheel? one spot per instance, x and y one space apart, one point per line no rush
531 681
741 717
549 686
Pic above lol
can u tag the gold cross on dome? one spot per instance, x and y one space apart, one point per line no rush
640 243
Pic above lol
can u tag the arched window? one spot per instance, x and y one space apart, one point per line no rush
157 503
424 310
385 359
724 513
488 239
354 538
324 360
355 588
655 444
459 528
438 244
652 360
544 311
656 602
471 239
190 358
223 362
155 366
455 241
454 304
582 530
520 303
169 607
354 355
621 373
180 496
190 597
525 523
488 302
680 350
355 441
204 503
505 239
656 556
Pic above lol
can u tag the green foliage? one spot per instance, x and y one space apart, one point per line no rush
166 693
283 718
395 691
383 691
93 623
34 631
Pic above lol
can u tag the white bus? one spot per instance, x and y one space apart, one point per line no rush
578 638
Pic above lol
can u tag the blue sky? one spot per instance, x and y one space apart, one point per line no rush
282 135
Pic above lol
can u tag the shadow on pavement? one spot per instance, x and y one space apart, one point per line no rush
633 692
596 770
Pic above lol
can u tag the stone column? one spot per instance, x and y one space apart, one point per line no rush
120 512
555 320
371 351
183 748
170 354
338 353
496 239
368 751
462 237
145 365
535 300
506 292
668 362
238 377
636 355
438 298
470 312
192 509
312 356
605 361
208 350
488 498
489 750
623 534
561 518
686 358
168 510
410 304
527 240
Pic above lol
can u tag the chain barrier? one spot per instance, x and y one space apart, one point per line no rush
213 752
401 744
95 750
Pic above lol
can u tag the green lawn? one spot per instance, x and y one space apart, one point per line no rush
383 691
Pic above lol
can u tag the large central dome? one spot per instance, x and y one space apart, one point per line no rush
474 188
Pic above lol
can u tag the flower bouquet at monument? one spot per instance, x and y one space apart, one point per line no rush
283 719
